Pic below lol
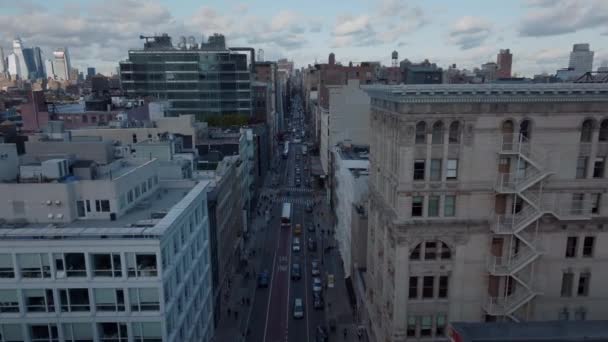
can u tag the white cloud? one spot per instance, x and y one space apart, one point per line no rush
548 18
469 32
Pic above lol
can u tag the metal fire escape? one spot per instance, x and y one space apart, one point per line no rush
519 226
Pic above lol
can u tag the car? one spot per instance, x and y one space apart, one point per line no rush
312 244
263 279
315 267
298 308
296 271
317 300
317 284
295 245
298 229
311 228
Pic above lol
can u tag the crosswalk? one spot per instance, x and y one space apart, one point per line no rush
298 190
298 201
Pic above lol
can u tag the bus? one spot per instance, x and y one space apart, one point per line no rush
286 150
286 215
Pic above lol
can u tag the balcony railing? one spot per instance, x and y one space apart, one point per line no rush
500 306
505 265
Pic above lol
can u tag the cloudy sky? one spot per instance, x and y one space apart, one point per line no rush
540 33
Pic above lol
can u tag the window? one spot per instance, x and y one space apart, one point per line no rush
581 167
564 315
524 130
38 300
413 294
6 266
433 206
443 287
449 206
426 326
137 192
34 265
416 253
435 169
106 265
134 138
437 134
430 250
78 332
452 169
112 332
583 284
412 322
419 169
421 133
427 287
580 314
454 136
44 333
147 332
11 333
109 299
145 299
595 204
587 131
446 254
417 206
440 325
567 279
74 300
598 168
604 131
130 196
9 301
102 206
74 263
141 265
577 203
571 246
588 244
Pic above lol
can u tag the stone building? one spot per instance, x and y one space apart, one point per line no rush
485 205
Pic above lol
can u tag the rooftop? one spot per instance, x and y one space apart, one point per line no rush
136 223
490 92
353 152
531 331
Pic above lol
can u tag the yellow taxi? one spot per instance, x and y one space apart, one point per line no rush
298 229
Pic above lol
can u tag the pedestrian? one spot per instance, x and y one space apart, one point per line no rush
345 333
236 314
359 334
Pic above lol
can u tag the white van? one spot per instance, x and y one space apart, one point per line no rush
295 245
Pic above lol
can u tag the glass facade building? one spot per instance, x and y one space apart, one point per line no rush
204 81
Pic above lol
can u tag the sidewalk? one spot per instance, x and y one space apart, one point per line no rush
233 327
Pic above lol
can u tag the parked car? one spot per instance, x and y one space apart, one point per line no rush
315 267
298 308
263 279
298 229
296 271
317 284
311 228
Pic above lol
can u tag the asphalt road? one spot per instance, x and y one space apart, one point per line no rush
272 316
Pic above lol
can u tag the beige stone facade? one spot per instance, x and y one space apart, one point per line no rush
487 202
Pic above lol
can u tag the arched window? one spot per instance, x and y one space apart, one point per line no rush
421 132
507 127
454 133
438 133
524 129
431 250
604 130
587 131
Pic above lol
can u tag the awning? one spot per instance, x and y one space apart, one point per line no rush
315 167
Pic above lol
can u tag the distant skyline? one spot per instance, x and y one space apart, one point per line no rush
540 33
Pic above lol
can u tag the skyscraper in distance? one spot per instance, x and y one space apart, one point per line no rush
581 58
49 69
16 63
504 60
61 64
90 72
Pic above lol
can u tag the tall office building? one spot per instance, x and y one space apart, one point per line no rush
61 64
17 65
581 59
487 203
91 72
49 69
33 60
504 61
206 79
